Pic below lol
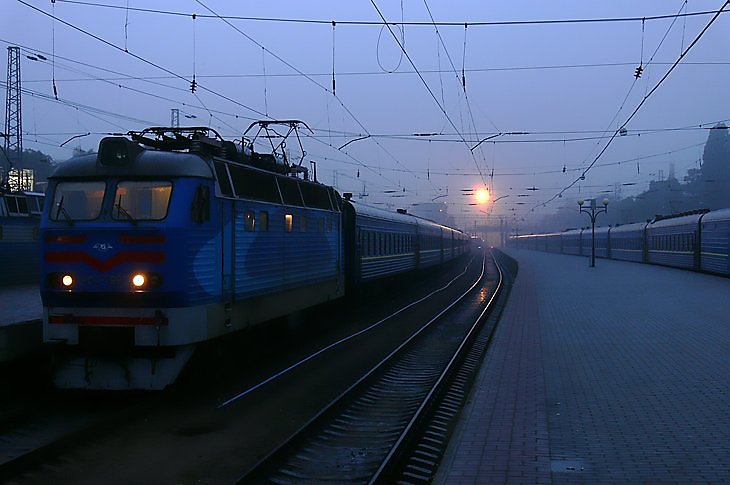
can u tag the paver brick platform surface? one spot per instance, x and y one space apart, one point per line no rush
613 374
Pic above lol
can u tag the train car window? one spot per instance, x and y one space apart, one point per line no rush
77 201
12 204
290 191
139 200
303 224
249 221
320 225
263 221
315 196
224 180
1 233
34 204
288 222
254 185
22 205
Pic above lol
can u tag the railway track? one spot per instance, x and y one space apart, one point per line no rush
392 423
217 443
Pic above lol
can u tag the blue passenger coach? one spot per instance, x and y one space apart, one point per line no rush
697 240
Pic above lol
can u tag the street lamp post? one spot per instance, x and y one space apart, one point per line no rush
593 212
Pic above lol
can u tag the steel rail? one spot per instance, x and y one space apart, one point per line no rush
271 463
391 460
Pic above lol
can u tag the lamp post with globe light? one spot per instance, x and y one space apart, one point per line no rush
593 212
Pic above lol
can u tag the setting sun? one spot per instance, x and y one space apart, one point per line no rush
482 196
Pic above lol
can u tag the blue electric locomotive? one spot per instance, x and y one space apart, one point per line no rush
147 251
176 236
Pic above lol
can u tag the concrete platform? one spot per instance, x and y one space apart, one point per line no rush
613 374
20 321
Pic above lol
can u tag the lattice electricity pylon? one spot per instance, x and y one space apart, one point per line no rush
13 111
175 117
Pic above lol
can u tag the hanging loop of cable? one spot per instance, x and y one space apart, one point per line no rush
377 51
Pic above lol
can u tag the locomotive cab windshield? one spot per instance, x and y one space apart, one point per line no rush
132 200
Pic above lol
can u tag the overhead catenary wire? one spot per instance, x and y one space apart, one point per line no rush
641 103
136 56
456 73
376 135
147 93
428 88
407 23
174 74
311 79
399 72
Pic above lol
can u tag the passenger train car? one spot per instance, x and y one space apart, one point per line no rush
696 240
173 236
20 216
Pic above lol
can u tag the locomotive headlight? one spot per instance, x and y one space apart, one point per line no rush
138 280
67 280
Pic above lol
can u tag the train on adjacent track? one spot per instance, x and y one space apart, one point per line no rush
697 240
173 236
20 217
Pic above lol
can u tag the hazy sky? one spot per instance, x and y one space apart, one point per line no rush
559 82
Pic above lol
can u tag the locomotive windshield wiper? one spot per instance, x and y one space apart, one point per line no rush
62 210
120 209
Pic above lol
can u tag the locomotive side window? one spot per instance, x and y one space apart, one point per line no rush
79 201
290 191
249 221
224 182
254 185
141 200
303 224
263 221
315 196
